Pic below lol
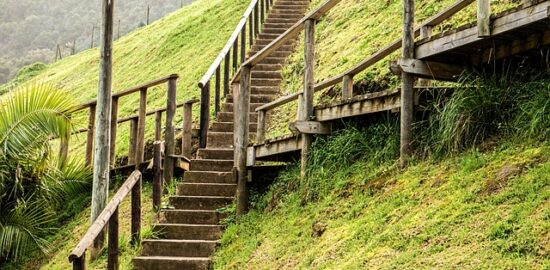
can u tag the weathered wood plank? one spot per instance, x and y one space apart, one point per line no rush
427 69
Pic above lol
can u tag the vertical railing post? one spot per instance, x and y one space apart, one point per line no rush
170 133
347 87
64 148
243 43
251 30
133 141
256 21
90 136
262 11
407 88
307 106
114 123
217 88
425 32
205 115
483 18
136 213
140 142
226 78
260 132
186 140
112 260
80 262
236 53
241 108
157 162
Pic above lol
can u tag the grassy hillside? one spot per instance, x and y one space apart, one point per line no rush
354 30
184 42
487 208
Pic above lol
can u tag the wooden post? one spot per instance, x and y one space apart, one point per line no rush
157 162
251 30
118 30
217 94
90 136
101 168
136 213
112 260
186 140
243 43
205 115
262 11
241 109
347 87
169 132
260 133
140 137
483 18
148 11
226 78
80 263
114 122
307 106
92 39
133 141
157 175
256 21
64 148
236 54
425 32
407 88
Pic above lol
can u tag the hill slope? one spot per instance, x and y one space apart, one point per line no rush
185 42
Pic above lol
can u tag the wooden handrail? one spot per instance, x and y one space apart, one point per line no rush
130 90
212 69
149 113
99 224
372 59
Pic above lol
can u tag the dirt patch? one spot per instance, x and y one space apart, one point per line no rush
501 179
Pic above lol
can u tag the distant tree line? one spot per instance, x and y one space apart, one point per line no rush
32 30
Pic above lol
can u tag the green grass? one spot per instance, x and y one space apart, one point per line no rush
184 42
476 210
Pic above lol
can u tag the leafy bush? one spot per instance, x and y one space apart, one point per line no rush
34 183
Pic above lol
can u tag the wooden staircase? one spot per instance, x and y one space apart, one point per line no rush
190 231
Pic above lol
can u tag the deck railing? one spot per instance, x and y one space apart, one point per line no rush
232 55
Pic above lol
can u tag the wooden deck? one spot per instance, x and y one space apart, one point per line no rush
512 32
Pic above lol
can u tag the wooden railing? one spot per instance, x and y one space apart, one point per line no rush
241 81
346 77
110 216
232 55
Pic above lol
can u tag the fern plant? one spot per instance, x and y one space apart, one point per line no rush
34 183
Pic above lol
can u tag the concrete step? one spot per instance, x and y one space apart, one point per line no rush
220 139
208 177
274 30
264 42
191 216
199 202
253 99
228 116
268 67
211 165
264 90
266 81
257 47
206 189
188 231
178 248
210 153
228 127
228 107
277 54
170 263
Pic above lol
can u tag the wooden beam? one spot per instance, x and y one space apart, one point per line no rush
90 136
347 87
427 69
241 107
483 18
186 139
114 122
501 25
310 127
170 132
204 115
407 83
260 132
309 81
277 147
359 105
532 42
140 137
